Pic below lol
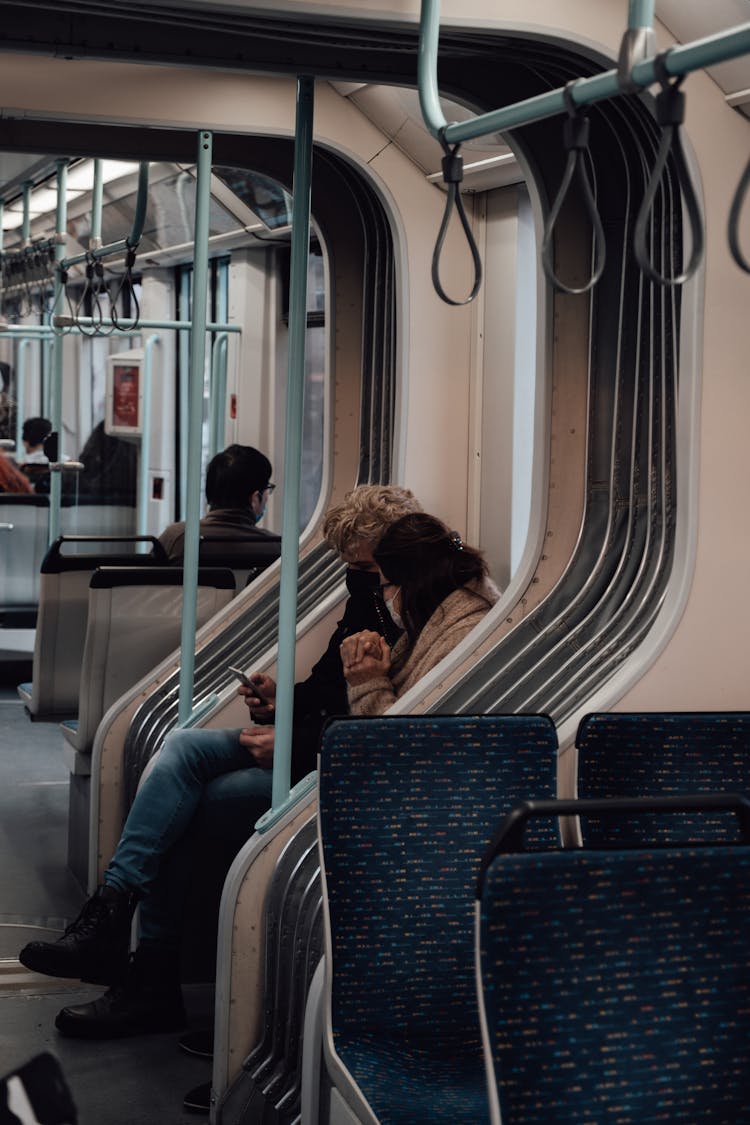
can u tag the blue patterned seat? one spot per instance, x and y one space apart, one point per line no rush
656 754
615 985
407 806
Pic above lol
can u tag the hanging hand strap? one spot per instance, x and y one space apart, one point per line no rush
734 220
670 114
63 290
99 287
453 173
576 142
80 304
126 279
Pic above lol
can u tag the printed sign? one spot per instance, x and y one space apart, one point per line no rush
125 396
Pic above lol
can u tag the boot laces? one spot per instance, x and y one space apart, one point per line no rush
93 912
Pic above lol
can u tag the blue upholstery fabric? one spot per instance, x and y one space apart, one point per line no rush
407 807
616 985
649 755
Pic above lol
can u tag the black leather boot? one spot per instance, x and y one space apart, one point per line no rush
148 999
198 1100
95 947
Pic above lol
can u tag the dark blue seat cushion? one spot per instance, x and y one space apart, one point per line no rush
659 754
407 808
616 985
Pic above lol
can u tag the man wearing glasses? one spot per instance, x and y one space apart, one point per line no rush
238 486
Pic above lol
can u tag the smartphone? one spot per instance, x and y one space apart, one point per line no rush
240 676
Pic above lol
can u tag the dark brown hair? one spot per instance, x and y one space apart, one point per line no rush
428 562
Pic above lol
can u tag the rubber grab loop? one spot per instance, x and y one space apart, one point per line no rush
734 220
453 174
576 142
62 291
126 280
670 114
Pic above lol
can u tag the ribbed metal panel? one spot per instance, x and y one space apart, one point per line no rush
614 585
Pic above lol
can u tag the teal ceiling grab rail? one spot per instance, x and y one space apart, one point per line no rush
679 60
638 67
130 243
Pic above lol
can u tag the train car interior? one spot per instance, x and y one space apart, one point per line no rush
492 253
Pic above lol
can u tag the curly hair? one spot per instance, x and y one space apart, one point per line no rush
365 513
428 561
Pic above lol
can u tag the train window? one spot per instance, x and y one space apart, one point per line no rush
265 198
245 373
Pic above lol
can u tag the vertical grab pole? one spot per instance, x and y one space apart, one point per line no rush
21 409
26 222
96 207
429 99
195 424
641 14
55 382
218 396
282 755
151 343
183 345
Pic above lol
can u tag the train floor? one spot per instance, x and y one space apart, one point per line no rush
139 1081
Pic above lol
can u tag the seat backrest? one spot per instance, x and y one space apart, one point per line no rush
63 610
134 622
623 754
615 985
247 558
407 806
24 518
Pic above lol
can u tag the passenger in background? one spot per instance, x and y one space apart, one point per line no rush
202 779
110 468
33 462
11 478
238 484
34 431
438 589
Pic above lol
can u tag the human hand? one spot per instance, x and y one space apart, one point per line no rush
259 742
364 656
260 697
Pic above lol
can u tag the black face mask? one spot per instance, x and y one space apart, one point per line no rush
361 581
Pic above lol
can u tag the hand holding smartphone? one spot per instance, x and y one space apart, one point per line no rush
240 675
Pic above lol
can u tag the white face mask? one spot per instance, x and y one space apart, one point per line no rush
395 615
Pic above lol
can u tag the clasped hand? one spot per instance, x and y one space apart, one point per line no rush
363 656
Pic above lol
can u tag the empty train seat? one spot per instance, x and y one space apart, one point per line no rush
63 609
407 806
24 519
651 754
613 982
24 540
134 621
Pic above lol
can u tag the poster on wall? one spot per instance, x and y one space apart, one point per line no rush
124 404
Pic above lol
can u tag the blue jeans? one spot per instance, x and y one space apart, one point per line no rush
202 785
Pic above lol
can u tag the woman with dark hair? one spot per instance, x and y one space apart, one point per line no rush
438 589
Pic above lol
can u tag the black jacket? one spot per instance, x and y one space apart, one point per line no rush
323 693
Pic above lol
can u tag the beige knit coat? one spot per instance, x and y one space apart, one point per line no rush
450 623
